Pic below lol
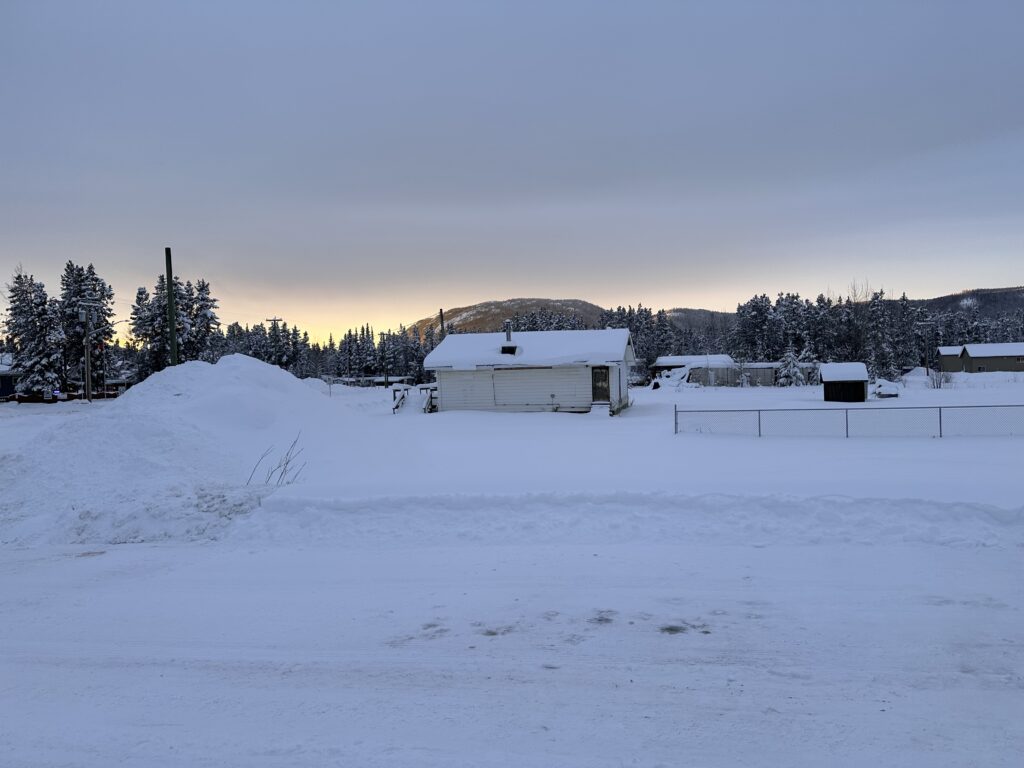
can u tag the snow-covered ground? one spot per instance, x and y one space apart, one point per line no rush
501 589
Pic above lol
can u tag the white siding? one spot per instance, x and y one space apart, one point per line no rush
614 377
462 390
532 388
527 389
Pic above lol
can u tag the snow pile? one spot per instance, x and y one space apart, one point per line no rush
168 460
303 514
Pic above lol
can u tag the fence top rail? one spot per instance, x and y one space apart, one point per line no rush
846 408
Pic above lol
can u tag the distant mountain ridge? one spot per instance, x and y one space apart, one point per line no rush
488 316
989 301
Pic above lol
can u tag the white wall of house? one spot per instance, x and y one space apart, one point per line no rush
619 385
523 389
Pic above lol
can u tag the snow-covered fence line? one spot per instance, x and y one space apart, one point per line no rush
890 421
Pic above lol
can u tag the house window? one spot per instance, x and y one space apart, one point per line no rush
980 369
1020 359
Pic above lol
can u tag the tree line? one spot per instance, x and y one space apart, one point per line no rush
888 335
47 335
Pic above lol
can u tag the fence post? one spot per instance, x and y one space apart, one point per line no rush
940 421
675 419
759 423
847 423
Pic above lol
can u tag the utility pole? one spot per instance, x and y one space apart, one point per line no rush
87 312
88 355
172 313
89 316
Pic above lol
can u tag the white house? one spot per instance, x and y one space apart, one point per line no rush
533 370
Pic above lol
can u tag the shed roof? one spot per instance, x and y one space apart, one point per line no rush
954 351
694 361
1011 349
469 351
843 372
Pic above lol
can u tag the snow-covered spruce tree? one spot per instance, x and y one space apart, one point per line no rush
204 324
149 325
236 340
72 293
277 344
19 324
258 342
789 374
142 331
810 360
86 301
98 292
36 333
881 360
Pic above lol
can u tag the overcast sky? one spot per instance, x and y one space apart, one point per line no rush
340 162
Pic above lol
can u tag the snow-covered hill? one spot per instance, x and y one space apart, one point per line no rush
489 315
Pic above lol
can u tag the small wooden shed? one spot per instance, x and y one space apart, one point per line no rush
8 376
845 382
533 370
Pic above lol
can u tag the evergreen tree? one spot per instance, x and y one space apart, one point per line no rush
34 326
789 374
881 361
810 360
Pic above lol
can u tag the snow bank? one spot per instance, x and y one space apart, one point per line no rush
171 458
167 460
304 514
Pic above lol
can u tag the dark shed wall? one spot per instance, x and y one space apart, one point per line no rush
989 364
846 391
7 384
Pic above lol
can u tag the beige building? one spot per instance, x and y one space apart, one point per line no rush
984 358
949 359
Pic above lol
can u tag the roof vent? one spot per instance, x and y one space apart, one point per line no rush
509 349
508 330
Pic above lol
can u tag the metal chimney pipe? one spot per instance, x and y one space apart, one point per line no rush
508 330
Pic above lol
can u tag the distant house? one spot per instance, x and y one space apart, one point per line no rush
949 358
845 382
533 370
985 358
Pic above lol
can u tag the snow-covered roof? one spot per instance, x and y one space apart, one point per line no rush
469 351
843 372
693 361
1012 349
953 351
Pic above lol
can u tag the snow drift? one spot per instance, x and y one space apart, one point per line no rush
168 460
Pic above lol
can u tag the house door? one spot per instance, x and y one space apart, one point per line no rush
599 380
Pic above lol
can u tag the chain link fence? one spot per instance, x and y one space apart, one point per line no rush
895 421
